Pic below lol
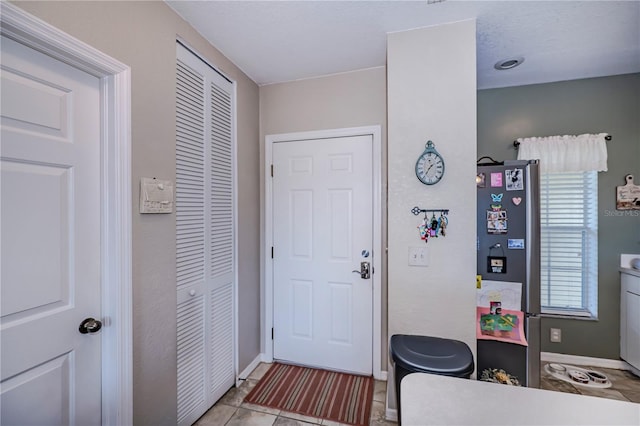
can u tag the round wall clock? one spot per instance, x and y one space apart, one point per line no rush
430 165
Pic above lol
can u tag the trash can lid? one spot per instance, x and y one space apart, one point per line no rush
432 355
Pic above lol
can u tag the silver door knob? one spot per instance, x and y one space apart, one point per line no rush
90 325
365 270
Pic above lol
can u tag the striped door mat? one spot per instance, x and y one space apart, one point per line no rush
344 398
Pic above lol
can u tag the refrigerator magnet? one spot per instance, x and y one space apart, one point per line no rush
496 201
515 244
514 180
481 180
496 180
496 221
497 264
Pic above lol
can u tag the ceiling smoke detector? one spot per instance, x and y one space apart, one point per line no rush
507 64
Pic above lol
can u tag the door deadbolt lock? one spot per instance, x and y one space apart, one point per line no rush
365 270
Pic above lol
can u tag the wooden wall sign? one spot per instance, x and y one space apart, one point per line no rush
628 196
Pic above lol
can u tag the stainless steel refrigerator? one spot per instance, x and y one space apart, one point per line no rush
508 246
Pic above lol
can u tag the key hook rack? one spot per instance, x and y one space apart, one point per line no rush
432 227
417 210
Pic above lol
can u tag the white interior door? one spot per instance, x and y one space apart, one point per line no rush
322 231
50 236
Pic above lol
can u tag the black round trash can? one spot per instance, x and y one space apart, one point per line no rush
425 354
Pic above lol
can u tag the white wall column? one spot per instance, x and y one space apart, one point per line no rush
431 89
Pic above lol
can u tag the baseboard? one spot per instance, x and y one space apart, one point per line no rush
634 370
585 360
391 414
381 375
265 358
252 366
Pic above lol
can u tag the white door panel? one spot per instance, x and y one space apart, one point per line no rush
50 236
40 239
45 384
322 210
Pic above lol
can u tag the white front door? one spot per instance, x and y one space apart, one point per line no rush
50 234
322 231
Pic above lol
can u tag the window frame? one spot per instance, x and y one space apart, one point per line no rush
551 211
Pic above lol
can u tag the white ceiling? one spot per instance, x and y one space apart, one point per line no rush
278 41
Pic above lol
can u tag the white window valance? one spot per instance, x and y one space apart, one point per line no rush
558 154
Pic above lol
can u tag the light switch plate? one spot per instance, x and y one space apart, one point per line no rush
418 256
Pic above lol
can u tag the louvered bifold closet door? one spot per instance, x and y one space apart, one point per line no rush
204 236
221 249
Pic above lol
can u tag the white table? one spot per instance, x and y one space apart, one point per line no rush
428 399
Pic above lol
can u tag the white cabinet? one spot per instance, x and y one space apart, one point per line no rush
630 316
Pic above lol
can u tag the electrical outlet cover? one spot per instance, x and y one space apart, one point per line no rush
555 335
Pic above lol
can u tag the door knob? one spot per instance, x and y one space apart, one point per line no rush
90 325
365 270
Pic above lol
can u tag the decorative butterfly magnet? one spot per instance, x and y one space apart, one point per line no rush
497 199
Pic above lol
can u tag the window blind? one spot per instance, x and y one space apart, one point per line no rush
568 243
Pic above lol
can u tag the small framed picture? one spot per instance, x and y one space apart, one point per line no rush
497 264
514 178
496 221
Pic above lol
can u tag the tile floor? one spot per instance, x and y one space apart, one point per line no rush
625 385
231 410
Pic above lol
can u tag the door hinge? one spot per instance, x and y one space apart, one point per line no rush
272 252
272 170
271 333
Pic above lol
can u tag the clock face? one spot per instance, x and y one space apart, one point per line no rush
430 168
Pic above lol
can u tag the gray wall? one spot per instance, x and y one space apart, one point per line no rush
350 99
607 104
143 36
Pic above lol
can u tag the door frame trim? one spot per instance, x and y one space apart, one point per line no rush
115 233
267 289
